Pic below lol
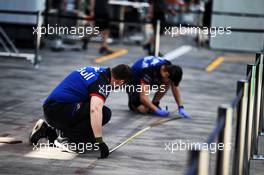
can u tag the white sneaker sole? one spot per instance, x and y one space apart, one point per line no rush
37 126
64 148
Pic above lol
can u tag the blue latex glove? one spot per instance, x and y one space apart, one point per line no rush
183 113
162 112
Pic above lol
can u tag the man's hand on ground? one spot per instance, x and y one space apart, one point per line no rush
183 113
162 112
103 148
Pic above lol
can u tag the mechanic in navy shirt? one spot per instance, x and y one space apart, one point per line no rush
76 108
153 71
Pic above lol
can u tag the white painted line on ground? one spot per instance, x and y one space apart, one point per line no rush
175 53
51 153
178 52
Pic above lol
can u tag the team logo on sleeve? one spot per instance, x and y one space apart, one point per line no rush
151 61
96 69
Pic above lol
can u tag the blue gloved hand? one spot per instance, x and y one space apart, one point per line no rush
162 112
183 113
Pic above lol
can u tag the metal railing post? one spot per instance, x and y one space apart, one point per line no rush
258 89
193 158
251 68
203 162
261 74
241 128
199 162
37 39
157 38
223 156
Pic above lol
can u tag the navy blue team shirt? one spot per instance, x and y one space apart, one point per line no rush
81 84
147 69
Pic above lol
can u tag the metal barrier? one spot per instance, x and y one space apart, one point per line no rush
36 58
13 52
245 114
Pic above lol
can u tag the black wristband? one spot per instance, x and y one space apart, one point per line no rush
99 140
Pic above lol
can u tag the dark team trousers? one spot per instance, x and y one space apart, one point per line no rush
73 120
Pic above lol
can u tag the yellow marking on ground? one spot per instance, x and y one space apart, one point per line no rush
155 123
239 58
214 64
115 54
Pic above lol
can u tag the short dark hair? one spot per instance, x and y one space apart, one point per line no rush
122 72
175 74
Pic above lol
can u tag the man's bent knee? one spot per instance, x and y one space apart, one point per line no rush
107 113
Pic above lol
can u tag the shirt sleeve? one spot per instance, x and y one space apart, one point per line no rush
100 89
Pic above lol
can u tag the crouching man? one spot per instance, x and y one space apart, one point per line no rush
75 111
153 71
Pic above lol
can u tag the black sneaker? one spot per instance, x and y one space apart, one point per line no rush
105 51
85 44
38 132
65 144
150 50
159 54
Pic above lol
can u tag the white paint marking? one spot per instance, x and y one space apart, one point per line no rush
178 52
50 153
